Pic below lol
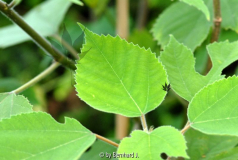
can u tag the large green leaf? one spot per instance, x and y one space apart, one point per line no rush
179 64
205 147
39 136
11 104
41 18
229 14
151 145
187 24
118 77
214 109
199 4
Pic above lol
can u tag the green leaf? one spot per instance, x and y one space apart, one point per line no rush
118 77
229 14
188 25
199 4
42 18
214 109
150 145
205 147
179 64
227 155
11 104
39 136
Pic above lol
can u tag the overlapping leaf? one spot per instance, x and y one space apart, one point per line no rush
118 77
11 104
179 64
199 4
214 109
45 19
187 24
38 136
205 147
151 145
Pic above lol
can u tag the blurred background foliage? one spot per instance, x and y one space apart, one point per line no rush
56 94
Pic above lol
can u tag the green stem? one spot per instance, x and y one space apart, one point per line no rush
38 39
143 122
37 78
106 140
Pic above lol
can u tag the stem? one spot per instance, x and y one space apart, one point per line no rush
122 27
37 78
106 140
185 128
38 39
142 14
216 29
217 20
66 45
143 122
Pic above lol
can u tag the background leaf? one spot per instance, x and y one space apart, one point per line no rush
179 64
205 147
45 19
20 135
118 77
229 10
214 109
11 104
187 24
199 4
150 145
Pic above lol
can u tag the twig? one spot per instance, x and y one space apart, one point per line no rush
66 45
216 29
106 140
142 14
38 39
185 128
37 78
217 20
143 122
122 27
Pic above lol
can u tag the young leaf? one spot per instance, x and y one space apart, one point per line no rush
199 4
214 109
39 136
179 64
187 24
205 147
11 104
151 145
118 77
